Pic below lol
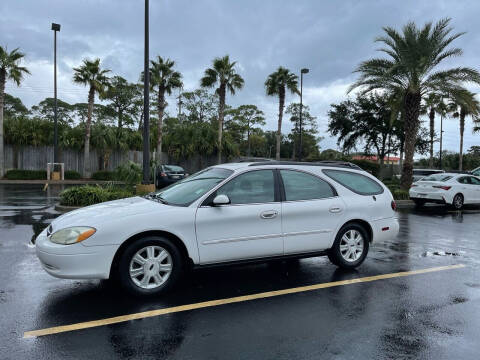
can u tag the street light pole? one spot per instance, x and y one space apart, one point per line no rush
55 28
146 104
302 71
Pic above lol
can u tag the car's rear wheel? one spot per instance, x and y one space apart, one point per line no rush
419 202
350 247
457 202
150 266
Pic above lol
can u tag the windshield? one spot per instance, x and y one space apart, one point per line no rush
436 177
184 192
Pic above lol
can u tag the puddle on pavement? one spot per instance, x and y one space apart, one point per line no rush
442 253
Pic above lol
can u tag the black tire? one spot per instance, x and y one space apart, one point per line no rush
419 202
335 254
457 202
176 259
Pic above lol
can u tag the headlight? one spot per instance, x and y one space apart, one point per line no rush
72 235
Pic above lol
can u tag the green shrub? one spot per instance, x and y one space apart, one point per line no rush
26 175
103 175
400 194
72 175
130 173
89 195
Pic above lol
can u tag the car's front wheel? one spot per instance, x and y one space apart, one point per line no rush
350 247
150 266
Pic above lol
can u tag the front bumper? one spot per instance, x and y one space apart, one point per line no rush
75 261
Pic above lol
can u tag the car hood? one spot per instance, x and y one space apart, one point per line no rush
98 214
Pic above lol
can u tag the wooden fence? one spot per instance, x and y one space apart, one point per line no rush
37 157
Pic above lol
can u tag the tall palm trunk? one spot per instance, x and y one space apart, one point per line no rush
281 104
412 111
462 129
221 109
161 110
86 153
431 115
2 98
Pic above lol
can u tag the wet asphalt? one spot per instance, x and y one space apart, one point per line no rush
427 316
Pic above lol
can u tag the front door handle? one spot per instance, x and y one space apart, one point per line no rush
335 209
269 214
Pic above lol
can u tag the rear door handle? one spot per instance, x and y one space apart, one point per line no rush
269 214
335 209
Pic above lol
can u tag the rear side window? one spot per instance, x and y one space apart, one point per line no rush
301 186
358 183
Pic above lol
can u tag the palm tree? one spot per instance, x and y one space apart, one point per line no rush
412 69
92 75
223 74
464 105
276 84
433 104
165 80
9 70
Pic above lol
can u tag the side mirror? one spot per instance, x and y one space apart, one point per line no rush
221 200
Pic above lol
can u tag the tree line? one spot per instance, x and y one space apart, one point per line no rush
204 123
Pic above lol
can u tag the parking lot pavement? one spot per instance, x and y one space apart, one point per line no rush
430 315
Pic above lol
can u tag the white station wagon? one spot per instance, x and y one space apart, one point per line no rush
230 213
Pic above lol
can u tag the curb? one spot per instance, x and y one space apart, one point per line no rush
64 208
405 204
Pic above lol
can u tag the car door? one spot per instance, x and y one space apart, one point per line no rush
311 212
475 184
248 227
467 189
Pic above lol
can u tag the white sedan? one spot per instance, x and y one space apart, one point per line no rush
230 213
448 188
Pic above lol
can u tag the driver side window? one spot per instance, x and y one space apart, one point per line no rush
253 187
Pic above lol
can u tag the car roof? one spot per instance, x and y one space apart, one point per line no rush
449 174
291 164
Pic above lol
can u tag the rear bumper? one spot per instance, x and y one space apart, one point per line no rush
385 229
434 197
431 200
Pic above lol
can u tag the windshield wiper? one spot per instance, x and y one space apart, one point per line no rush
156 197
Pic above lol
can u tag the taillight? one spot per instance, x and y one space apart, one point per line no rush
394 205
413 185
442 187
163 174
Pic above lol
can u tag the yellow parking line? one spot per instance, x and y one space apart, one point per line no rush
205 304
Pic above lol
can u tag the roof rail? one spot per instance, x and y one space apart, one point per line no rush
254 159
341 164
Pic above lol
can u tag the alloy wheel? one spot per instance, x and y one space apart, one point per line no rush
458 202
150 267
351 245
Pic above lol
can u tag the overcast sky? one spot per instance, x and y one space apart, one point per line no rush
329 37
